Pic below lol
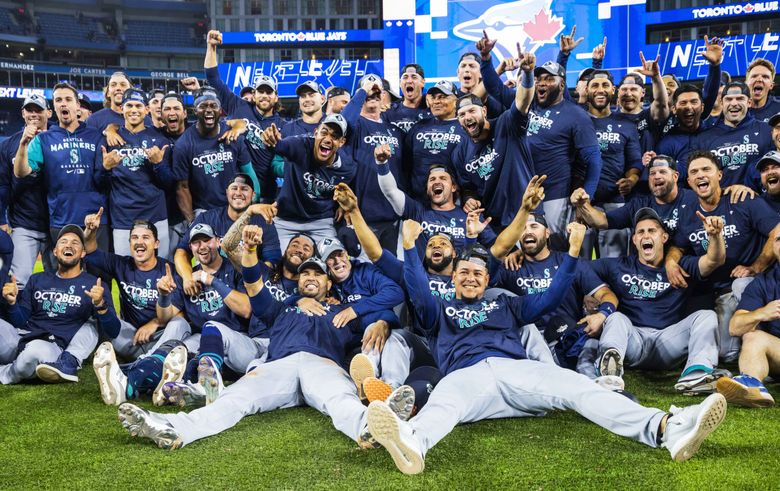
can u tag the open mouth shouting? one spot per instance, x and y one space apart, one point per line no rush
437 190
703 186
647 246
325 150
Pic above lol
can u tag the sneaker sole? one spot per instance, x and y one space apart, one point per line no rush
104 359
736 393
360 368
207 378
51 375
611 364
383 425
133 419
173 371
376 390
709 419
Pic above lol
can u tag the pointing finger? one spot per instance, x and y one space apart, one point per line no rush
167 269
99 282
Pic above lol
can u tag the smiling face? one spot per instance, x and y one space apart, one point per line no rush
208 113
671 85
313 283
472 119
662 181
205 249
310 102
704 177
760 80
35 116
735 107
549 89
298 250
66 106
630 96
336 104
776 135
470 280
600 92
440 188
468 73
142 244
174 116
155 106
439 254
688 108
69 251
534 239
265 99
327 141
339 266
117 85
442 106
770 178
649 239
134 112
239 196
411 84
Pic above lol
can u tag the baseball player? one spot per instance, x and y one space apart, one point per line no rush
648 329
488 374
303 367
55 318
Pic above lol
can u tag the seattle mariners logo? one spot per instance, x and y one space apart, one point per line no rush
528 22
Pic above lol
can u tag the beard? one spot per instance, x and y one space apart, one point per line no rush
437 268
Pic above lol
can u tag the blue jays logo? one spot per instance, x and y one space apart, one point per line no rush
528 22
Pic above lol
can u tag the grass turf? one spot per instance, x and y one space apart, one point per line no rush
63 436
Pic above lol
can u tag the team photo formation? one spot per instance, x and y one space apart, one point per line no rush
401 260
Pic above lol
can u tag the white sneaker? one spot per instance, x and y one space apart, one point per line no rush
397 437
360 368
611 382
173 371
210 378
111 380
687 427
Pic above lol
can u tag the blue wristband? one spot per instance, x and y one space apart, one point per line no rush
382 169
527 80
607 308
221 288
165 300
252 274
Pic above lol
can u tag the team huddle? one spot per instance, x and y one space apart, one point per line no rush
402 262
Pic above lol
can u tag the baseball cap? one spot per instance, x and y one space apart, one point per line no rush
370 78
413 68
134 95
552 68
442 234
725 77
85 101
173 95
307 86
771 157
663 161
155 92
206 94
445 87
585 73
633 78
246 89
475 254
145 224
735 88
774 120
538 218
36 99
305 235
202 229
438 167
468 100
393 94
266 81
338 120
242 178
648 214
335 92
328 246
600 74
71 229
313 262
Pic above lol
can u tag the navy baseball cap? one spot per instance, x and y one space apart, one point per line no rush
246 89
445 87
206 94
633 78
772 157
735 88
145 224
307 86
774 120
393 94
648 214
336 91
538 218
585 73
313 262
475 254
551 67
662 161
307 236
84 101
601 74
242 178
72 229
134 95
202 229
725 77
469 100
413 68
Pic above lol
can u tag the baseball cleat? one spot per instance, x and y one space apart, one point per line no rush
397 437
610 382
173 370
111 380
744 390
611 363
210 378
140 422
376 389
184 394
401 402
687 427
360 368
65 369
699 382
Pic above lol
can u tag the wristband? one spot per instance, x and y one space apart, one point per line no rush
251 274
221 288
527 80
164 301
607 308
382 169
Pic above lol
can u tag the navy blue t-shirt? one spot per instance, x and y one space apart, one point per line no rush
298 127
623 217
137 289
220 222
772 201
497 168
430 141
25 198
644 293
209 305
405 117
135 191
678 144
535 277
620 151
368 290
453 222
100 120
307 193
763 289
208 164
747 225
771 108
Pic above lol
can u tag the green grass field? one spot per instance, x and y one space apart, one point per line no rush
63 436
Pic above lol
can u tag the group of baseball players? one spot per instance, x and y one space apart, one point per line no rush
402 262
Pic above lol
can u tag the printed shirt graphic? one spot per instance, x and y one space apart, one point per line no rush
764 289
430 141
620 151
670 213
452 222
404 117
209 305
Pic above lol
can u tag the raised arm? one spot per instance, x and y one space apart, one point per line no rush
592 216
491 81
415 278
716 250
532 198
525 91
387 184
165 287
659 109
709 91
22 167
232 240
347 201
